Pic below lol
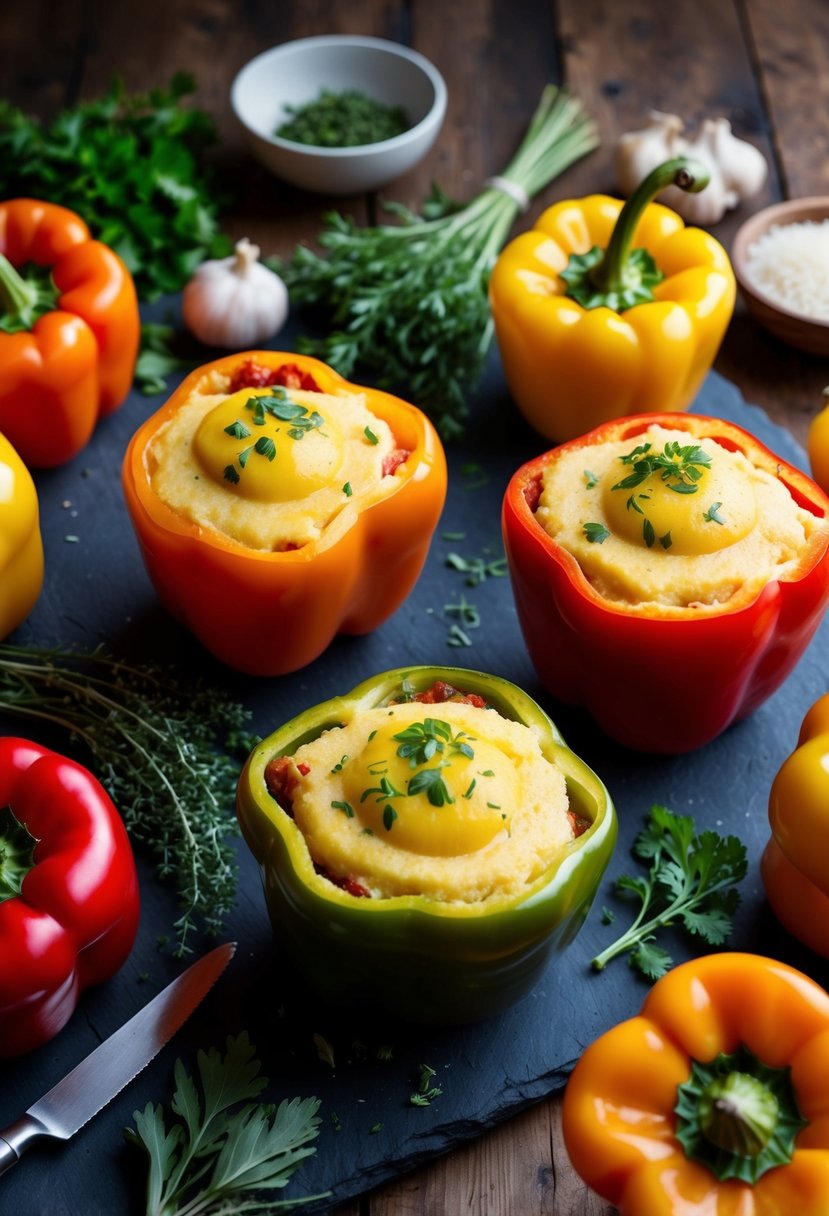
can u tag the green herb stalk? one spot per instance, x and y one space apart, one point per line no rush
408 303
156 745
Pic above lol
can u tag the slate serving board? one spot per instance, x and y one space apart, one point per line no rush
96 590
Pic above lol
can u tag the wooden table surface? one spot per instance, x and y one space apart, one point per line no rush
764 70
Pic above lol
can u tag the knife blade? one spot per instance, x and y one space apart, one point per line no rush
105 1071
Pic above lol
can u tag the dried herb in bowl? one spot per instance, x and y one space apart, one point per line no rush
346 119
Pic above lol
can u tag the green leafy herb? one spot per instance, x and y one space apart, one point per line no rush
420 741
347 490
691 881
370 436
132 167
209 1154
407 303
712 514
344 118
466 612
590 479
478 568
237 430
346 808
682 463
156 741
457 636
265 446
597 534
157 359
426 1092
430 781
389 816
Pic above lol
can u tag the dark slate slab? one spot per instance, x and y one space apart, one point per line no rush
96 590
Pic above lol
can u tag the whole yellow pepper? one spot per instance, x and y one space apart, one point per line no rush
605 310
21 550
795 864
818 444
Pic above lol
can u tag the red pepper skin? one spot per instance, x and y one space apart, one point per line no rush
75 920
76 364
654 683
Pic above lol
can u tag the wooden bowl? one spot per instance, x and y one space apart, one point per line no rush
795 328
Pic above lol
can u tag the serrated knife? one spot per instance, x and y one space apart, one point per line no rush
105 1071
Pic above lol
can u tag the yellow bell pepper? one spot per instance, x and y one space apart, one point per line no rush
21 550
795 864
818 445
605 310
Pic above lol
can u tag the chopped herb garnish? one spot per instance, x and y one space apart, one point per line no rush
430 781
683 463
237 430
340 765
457 636
423 740
231 475
712 514
347 490
384 791
265 446
597 534
468 791
590 479
648 534
244 456
487 772
346 808
425 1092
665 541
370 436
478 568
375 1128
389 816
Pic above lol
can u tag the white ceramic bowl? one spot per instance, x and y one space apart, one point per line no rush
295 72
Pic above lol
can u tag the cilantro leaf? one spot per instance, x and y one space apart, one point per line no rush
691 880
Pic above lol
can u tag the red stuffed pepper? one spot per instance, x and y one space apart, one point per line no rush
68 891
642 587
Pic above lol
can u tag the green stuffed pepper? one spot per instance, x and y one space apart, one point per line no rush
426 842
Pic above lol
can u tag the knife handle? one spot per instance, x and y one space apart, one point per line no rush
15 1138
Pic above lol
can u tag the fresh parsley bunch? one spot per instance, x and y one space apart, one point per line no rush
131 167
209 1153
691 881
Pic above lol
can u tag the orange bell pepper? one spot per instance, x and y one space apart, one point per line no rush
21 548
714 1100
349 580
69 331
795 863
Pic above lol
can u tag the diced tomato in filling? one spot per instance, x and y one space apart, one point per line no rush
394 459
441 691
281 781
532 494
351 886
578 823
251 374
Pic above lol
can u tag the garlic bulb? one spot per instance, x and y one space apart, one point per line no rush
737 169
235 302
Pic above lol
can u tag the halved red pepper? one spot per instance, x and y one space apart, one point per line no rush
69 331
655 681
69 897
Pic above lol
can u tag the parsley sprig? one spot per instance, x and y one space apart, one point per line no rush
691 881
684 463
132 166
208 1154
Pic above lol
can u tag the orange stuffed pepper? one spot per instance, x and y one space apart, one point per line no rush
269 489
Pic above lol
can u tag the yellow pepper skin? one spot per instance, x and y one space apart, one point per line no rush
571 368
21 549
620 1124
795 864
818 445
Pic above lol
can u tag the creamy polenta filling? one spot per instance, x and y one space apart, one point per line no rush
270 468
673 521
448 801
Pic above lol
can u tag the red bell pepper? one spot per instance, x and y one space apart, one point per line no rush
69 897
654 680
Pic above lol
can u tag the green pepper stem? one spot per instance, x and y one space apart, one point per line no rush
738 1113
16 855
609 274
16 295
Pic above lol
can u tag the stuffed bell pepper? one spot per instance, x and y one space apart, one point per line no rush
669 571
795 863
604 310
68 891
270 490
21 548
69 331
714 1100
426 842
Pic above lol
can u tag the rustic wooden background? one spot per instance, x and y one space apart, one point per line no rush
763 65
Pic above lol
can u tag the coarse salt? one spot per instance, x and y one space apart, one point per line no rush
790 265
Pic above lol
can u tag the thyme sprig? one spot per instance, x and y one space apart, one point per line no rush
162 750
684 463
